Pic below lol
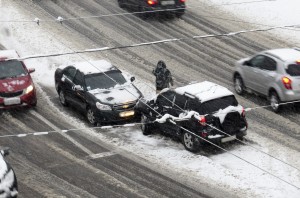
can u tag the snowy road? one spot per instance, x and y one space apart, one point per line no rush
206 59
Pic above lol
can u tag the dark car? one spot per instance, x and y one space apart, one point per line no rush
171 6
99 90
16 85
8 179
194 107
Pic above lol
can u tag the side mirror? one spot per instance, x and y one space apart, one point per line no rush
5 152
132 79
30 70
78 88
247 63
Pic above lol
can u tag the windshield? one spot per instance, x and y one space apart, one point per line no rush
102 81
217 104
293 70
13 68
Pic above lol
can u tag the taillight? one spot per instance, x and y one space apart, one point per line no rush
152 2
202 120
243 112
287 82
181 1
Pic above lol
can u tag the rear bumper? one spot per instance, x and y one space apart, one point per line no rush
225 138
170 8
290 95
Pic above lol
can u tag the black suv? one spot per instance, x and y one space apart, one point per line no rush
173 6
196 106
99 90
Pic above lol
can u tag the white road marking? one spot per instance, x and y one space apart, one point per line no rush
63 134
100 155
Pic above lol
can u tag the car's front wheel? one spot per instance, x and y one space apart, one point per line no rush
90 115
146 126
62 98
275 102
239 85
190 142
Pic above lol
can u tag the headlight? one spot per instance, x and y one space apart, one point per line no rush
29 89
103 106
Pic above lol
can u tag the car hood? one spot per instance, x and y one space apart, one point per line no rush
117 95
14 84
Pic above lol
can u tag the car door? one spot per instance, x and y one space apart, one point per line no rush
78 91
165 103
252 71
180 104
67 81
267 75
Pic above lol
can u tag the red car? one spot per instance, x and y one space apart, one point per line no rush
16 86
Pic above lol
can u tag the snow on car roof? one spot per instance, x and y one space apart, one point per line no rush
8 54
204 91
91 67
286 54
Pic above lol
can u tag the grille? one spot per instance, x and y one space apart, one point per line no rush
124 106
11 94
232 123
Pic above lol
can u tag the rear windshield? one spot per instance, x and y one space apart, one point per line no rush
10 69
104 81
217 104
293 70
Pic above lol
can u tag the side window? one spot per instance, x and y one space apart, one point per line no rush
193 104
166 98
269 64
257 61
78 79
69 72
180 101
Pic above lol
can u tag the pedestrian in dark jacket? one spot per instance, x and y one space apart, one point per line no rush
163 76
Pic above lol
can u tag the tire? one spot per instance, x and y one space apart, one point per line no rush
179 13
274 101
190 143
146 127
143 15
62 98
239 85
121 3
90 115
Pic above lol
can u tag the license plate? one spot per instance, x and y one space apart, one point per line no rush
126 114
167 2
227 139
11 101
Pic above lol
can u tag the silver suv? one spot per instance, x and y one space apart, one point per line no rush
273 73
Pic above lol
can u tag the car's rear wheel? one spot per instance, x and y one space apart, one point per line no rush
143 12
146 127
189 141
239 85
275 102
90 115
62 98
121 3
179 13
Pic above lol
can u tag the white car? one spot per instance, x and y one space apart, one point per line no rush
8 179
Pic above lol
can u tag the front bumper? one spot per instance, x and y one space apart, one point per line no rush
116 117
25 100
